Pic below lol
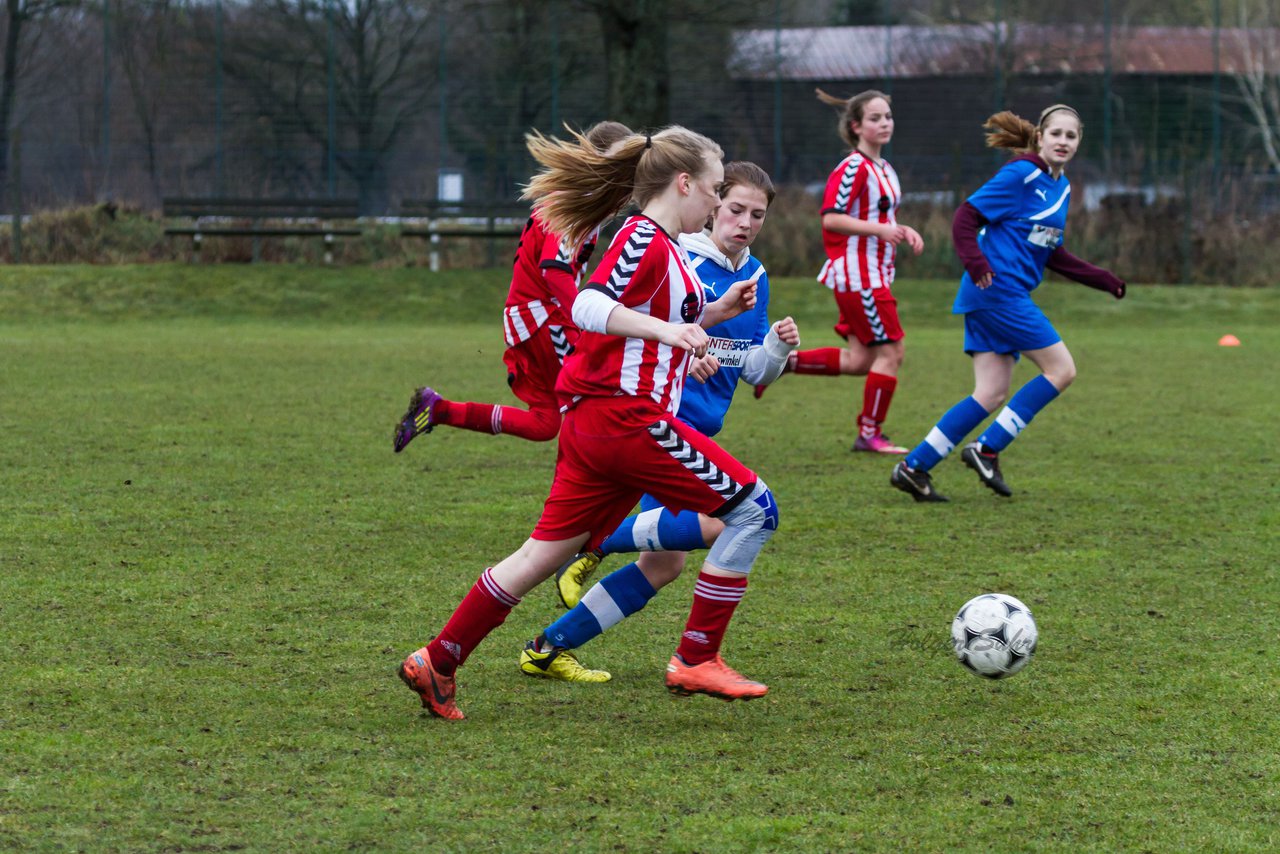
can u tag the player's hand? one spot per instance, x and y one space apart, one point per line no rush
788 332
1117 289
913 238
741 297
893 234
984 282
704 368
689 337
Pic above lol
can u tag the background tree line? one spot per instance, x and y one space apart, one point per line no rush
139 99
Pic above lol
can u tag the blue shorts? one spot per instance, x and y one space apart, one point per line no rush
1008 330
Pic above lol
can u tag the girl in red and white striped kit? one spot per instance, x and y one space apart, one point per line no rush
538 330
861 234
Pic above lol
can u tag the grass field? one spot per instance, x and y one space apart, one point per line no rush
212 563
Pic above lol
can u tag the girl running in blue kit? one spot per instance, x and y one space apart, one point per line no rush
1006 234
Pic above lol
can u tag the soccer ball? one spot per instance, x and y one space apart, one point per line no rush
994 635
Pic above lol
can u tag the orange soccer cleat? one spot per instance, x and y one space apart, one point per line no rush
437 691
712 677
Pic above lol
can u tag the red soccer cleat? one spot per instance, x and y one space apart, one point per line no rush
713 677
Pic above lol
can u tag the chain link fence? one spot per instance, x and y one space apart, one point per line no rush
384 102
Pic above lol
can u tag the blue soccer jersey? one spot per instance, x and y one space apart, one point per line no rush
704 405
1026 213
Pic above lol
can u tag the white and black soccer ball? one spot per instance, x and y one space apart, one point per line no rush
994 635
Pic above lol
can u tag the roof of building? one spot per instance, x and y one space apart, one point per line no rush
861 53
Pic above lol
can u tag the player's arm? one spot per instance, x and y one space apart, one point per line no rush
558 271
596 311
765 362
965 226
1078 270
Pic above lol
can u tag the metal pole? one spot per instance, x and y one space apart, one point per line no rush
106 99
443 116
555 65
331 164
777 90
1106 91
15 200
999 60
217 88
1217 96
888 63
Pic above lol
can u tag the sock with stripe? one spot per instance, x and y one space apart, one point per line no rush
715 597
1014 418
824 361
617 596
954 425
876 397
656 530
483 609
466 416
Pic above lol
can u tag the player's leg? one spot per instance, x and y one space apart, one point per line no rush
697 666
872 320
991 373
429 671
580 501
653 529
532 368
983 456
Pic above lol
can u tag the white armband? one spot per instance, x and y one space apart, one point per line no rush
765 363
591 310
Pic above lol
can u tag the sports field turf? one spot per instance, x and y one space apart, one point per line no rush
212 563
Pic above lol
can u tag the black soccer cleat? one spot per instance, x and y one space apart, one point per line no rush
917 484
988 468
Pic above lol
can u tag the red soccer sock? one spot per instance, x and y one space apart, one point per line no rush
479 417
536 425
876 397
482 610
824 361
714 599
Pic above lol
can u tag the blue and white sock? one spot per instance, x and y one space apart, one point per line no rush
618 595
1014 418
950 430
656 530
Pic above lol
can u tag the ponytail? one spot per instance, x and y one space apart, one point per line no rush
581 187
852 110
1009 130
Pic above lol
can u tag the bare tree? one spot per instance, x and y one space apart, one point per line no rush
382 76
19 16
1258 79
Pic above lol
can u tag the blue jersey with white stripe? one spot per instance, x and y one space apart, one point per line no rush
704 405
1026 212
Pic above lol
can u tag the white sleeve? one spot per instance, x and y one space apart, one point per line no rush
764 362
591 310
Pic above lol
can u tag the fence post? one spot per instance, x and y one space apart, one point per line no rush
15 194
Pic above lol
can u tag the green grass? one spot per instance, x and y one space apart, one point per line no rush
212 563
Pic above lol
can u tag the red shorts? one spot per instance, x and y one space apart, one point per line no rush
871 316
614 450
532 370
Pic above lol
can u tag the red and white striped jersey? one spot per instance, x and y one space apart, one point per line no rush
644 270
864 189
544 281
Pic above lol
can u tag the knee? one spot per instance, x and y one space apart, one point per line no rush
661 568
747 527
990 399
1062 376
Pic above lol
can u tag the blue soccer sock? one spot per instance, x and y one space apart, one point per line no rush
656 530
951 428
618 595
1014 418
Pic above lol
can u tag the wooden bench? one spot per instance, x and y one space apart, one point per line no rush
466 220
235 217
